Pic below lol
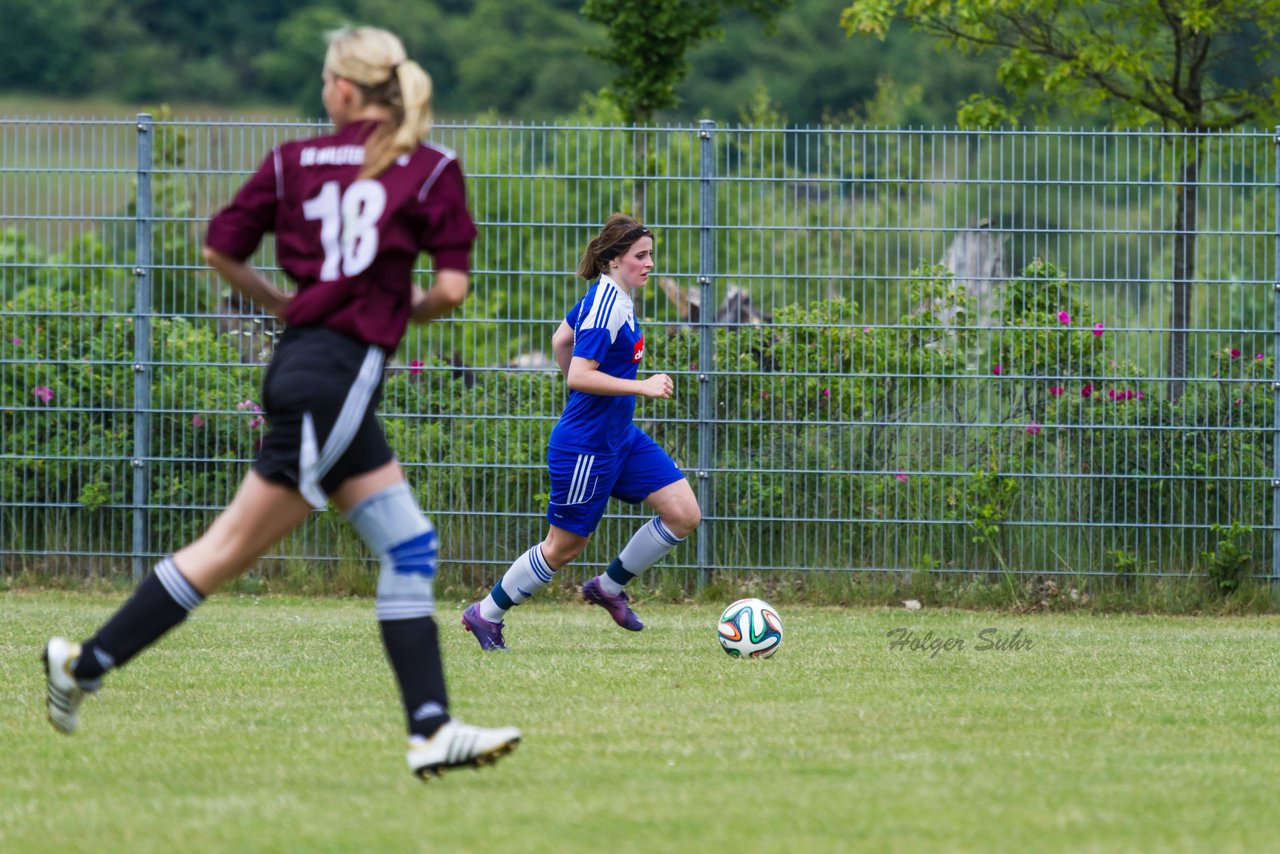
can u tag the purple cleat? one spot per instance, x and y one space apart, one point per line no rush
488 634
616 605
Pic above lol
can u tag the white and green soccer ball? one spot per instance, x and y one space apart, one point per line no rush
750 628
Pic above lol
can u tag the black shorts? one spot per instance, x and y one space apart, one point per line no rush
321 395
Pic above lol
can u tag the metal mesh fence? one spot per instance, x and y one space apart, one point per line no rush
1024 352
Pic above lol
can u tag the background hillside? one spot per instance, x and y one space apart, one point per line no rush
521 59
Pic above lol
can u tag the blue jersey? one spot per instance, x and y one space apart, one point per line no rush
604 330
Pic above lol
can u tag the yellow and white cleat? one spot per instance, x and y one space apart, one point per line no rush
459 745
64 692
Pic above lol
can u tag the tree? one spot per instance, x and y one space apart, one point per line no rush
809 72
54 47
1171 63
648 40
523 58
288 69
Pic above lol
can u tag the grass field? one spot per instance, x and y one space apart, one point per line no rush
272 725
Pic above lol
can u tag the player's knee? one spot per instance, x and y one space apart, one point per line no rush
406 582
683 519
408 549
415 556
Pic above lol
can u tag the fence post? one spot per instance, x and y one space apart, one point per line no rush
143 214
1275 371
706 342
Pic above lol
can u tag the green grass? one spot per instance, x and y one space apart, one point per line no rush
271 725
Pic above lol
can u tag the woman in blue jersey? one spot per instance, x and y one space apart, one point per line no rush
595 450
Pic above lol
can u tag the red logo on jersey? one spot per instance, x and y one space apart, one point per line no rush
638 353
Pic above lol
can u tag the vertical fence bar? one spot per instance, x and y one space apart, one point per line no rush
1275 371
142 344
706 342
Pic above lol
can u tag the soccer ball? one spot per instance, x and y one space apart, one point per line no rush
750 628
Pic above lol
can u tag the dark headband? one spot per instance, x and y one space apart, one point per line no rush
625 242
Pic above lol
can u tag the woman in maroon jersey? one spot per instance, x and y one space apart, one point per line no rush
351 211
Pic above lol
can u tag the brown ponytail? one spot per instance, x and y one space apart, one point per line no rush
615 238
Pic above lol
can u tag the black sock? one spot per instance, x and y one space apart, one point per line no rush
162 600
618 572
413 648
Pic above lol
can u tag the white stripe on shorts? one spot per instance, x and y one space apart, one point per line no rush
581 477
313 466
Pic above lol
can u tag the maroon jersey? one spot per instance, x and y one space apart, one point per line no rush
350 245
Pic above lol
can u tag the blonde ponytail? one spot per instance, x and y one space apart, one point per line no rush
414 113
375 60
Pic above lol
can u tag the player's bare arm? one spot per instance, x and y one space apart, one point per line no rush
246 279
447 292
562 347
584 375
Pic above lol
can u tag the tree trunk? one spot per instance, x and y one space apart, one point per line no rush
1184 272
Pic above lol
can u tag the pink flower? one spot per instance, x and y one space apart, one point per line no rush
1087 391
900 476
1033 429
1057 390
415 367
1141 396
997 370
866 329
1235 403
826 392
1097 330
1111 393
43 393
764 395
17 342
249 406
257 422
197 421
1258 357
1235 354
1063 317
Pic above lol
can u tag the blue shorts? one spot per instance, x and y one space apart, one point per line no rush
582 483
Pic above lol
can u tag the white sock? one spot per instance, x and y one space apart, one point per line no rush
529 574
649 545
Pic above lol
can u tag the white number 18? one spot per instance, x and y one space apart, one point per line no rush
348 225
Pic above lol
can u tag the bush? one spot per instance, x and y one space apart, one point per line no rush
832 444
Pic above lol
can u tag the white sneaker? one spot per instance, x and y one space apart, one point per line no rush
64 691
459 745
